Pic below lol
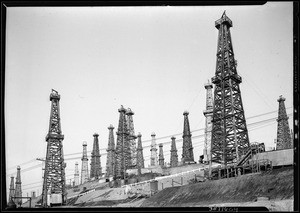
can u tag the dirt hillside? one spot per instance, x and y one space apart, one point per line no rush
276 184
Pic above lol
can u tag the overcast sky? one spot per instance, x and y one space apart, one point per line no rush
154 60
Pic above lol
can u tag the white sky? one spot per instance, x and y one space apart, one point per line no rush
154 60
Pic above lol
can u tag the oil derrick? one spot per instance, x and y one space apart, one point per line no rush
187 147
161 160
153 150
132 138
284 140
122 157
139 154
208 113
18 190
96 170
54 175
110 162
76 175
84 165
11 191
174 156
229 131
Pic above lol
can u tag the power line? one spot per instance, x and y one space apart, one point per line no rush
166 142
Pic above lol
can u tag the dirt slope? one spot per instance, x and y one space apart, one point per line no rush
277 185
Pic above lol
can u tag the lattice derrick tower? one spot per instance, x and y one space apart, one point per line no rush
161 159
208 113
229 132
132 138
187 146
284 140
139 154
54 175
153 150
174 156
110 162
84 164
122 158
76 175
11 189
96 169
18 190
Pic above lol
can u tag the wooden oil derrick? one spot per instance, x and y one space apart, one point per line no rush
187 146
96 169
229 131
132 138
54 174
139 154
161 159
208 113
122 158
84 164
174 156
110 161
284 140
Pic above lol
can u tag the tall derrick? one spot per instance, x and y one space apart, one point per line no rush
161 159
208 113
187 147
153 159
54 175
84 165
139 154
229 131
18 190
122 158
284 140
131 137
110 162
76 175
96 169
174 156
11 190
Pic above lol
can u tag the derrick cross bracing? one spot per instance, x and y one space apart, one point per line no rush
229 132
132 138
54 175
122 158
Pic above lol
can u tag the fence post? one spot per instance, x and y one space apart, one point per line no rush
181 180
